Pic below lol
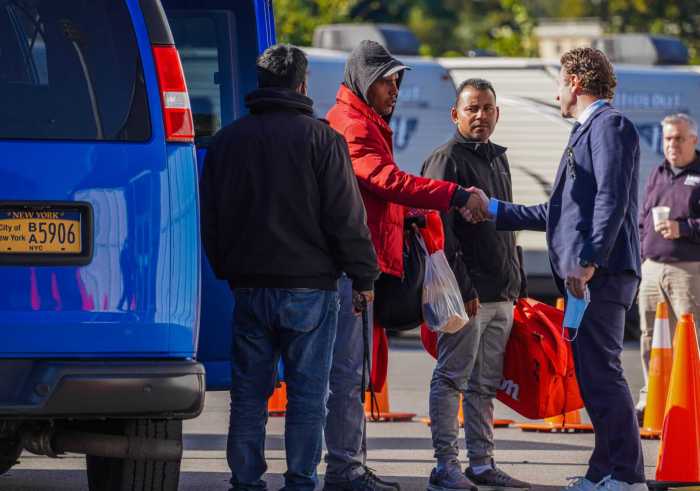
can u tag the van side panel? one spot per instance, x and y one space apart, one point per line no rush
138 297
184 286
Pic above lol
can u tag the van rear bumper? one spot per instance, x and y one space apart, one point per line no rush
96 389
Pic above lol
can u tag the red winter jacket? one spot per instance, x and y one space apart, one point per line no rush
385 188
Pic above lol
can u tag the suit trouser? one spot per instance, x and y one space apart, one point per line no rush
606 395
677 284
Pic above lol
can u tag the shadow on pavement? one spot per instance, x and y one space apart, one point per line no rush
394 443
198 441
75 480
43 480
200 481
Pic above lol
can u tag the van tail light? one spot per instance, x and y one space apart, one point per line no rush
177 113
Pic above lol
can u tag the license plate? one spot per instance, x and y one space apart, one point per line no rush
41 231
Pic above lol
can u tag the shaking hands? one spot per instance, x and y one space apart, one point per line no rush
477 208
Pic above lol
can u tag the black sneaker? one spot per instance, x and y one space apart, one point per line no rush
366 482
449 478
495 479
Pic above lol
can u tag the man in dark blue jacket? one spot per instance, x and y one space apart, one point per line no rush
593 241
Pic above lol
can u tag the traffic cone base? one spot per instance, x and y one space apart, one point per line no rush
649 434
382 413
502 423
664 485
556 427
391 417
563 423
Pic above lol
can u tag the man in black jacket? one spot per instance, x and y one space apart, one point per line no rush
486 265
282 217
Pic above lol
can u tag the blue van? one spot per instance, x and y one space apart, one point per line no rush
100 257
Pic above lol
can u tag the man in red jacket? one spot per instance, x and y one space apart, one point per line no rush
364 105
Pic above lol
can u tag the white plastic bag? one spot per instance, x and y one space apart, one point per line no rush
443 308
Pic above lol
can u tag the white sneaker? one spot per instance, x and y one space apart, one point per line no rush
580 484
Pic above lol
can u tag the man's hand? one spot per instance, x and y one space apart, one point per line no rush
577 279
668 229
476 209
472 307
360 300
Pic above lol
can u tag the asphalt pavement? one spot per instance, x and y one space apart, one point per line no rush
401 451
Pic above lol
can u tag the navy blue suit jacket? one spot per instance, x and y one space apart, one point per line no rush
591 214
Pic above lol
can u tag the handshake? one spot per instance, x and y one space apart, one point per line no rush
477 208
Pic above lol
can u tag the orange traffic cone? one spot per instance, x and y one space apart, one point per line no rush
562 423
497 423
381 411
659 374
277 403
679 453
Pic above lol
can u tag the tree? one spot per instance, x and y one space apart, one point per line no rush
295 20
679 18
505 27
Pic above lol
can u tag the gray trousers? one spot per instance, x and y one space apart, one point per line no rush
470 362
345 421
677 284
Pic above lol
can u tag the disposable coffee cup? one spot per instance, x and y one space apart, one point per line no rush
660 214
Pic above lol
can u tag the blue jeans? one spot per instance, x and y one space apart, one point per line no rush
299 325
345 423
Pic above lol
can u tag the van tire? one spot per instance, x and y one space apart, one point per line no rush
9 453
110 474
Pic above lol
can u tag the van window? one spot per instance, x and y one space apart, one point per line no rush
204 41
400 41
70 70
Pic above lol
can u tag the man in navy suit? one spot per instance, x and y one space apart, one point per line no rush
593 242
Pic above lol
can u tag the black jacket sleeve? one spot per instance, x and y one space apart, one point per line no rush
344 220
208 210
440 165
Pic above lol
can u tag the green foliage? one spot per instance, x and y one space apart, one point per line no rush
679 18
295 20
505 27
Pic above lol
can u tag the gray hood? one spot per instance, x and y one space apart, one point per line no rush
367 62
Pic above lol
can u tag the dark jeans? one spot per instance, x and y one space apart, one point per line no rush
300 326
606 395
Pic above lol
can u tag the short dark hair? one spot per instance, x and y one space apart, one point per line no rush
593 69
474 83
283 66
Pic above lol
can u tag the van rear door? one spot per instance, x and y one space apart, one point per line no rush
85 265
218 44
